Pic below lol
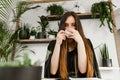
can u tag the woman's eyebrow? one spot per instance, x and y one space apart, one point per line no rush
73 23
66 23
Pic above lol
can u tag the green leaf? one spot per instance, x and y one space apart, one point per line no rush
104 51
104 10
21 8
26 60
5 9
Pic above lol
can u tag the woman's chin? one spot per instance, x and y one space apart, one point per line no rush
70 39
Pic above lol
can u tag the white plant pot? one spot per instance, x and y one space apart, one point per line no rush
79 10
82 9
51 36
32 37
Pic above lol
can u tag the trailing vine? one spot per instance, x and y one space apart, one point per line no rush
104 9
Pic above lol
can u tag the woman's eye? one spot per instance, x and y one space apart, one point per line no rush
73 24
66 25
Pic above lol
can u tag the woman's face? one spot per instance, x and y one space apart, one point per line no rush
70 23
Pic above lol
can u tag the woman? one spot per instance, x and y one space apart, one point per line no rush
71 54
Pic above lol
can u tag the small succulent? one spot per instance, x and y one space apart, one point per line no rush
33 31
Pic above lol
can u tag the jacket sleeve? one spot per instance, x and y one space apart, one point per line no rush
96 68
48 60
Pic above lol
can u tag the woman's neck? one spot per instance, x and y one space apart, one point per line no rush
71 45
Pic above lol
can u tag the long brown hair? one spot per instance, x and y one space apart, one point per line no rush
63 50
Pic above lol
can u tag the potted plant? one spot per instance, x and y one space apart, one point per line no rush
43 24
78 8
7 39
32 33
55 9
24 32
20 70
106 61
52 33
103 8
10 67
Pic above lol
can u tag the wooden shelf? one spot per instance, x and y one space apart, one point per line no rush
108 68
81 16
45 1
35 40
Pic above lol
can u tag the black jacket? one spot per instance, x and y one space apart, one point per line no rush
48 59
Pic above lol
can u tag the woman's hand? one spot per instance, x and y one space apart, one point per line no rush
60 37
75 35
56 53
82 59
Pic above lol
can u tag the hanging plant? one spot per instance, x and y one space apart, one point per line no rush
104 9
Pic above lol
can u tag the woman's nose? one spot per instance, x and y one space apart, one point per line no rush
69 27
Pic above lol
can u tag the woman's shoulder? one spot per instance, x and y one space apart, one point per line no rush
51 45
89 41
52 42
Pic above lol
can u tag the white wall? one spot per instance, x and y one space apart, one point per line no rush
91 28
